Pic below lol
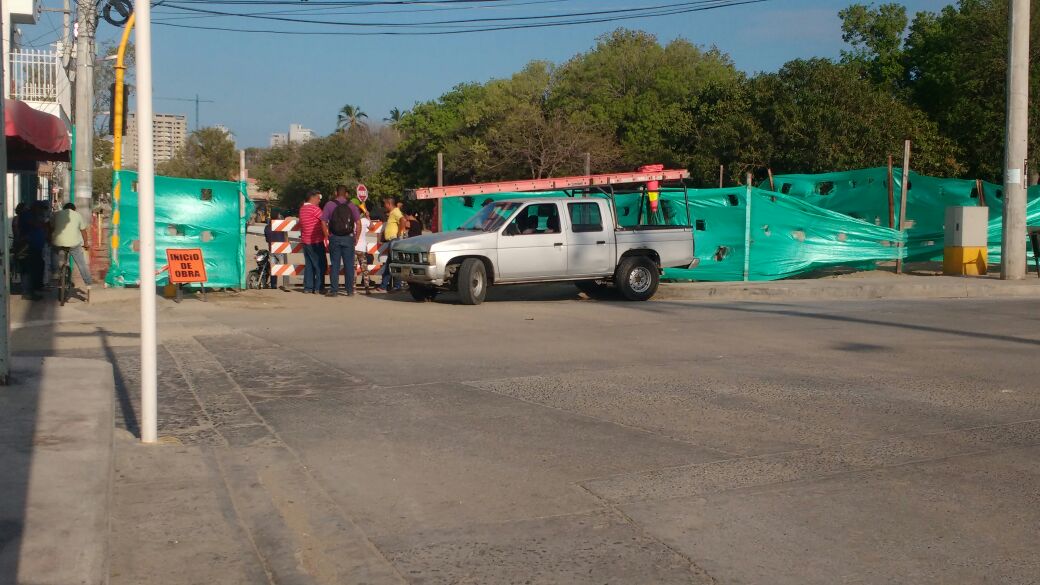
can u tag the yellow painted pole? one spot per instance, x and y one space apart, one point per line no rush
117 131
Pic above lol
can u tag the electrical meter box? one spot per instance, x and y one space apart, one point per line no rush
965 240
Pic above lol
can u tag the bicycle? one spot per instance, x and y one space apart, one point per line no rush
64 275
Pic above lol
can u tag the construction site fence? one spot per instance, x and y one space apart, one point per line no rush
189 213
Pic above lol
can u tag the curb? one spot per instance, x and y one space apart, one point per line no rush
954 288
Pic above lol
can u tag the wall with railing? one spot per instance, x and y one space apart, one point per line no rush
38 76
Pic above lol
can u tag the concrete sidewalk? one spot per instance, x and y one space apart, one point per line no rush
56 453
857 286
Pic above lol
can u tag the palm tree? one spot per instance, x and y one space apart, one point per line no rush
349 117
395 116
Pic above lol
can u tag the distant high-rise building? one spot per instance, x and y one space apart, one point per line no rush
169 133
298 134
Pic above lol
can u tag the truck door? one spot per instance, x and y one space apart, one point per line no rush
533 245
588 245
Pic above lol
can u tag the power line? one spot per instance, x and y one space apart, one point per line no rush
474 25
336 10
592 13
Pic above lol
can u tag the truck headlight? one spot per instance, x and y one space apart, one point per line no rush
428 258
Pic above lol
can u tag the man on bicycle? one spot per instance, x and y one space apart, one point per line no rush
70 231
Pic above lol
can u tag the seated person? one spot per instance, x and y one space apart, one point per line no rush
552 225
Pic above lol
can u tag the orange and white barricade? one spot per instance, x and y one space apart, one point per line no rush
377 250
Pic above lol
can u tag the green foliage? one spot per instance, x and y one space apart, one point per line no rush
349 157
208 154
349 117
957 62
824 116
104 77
637 89
876 37
102 181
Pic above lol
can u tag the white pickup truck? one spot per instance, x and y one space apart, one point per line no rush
542 240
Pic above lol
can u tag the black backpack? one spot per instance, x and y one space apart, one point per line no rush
342 222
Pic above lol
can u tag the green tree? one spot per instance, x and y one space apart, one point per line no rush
349 157
957 62
824 116
876 38
102 182
104 77
208 154
395 116
636 88
349 117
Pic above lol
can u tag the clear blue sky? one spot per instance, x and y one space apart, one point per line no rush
262 83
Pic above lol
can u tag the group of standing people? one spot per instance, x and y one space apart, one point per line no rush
338 229
40 236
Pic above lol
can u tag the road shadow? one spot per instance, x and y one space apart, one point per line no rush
19 411
755 309
549 292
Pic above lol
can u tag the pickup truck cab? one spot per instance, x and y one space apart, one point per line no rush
541 240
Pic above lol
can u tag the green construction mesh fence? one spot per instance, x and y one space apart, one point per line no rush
189 213
864 194
787 235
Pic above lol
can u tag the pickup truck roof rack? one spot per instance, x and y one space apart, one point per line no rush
554 184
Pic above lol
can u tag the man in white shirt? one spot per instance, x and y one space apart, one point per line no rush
70 231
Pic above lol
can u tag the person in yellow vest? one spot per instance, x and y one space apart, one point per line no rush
391 232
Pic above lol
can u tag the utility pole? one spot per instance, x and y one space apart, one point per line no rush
86 21
146 224
1013 239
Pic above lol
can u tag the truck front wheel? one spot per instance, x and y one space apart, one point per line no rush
471 281
637 278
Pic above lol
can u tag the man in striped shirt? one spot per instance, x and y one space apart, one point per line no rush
312 236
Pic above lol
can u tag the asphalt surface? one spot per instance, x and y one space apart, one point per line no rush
546 438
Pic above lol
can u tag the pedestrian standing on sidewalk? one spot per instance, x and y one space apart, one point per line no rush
70 231
273 238
342 221
33 231
312 236
361 251
391 232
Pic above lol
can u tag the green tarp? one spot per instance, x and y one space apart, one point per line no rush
864 194
788 236
189 213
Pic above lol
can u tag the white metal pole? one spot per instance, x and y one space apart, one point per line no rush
146 220
1013 240
747 231
5 279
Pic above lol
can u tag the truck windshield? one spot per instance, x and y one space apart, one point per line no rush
491 217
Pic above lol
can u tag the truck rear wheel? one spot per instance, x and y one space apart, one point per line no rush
471 281
637 278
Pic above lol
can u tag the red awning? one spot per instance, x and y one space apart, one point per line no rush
33 135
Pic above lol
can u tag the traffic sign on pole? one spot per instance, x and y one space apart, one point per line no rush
362 193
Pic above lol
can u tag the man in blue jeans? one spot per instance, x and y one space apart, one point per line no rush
342 222
312 236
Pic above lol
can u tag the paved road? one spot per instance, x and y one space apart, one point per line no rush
561 440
